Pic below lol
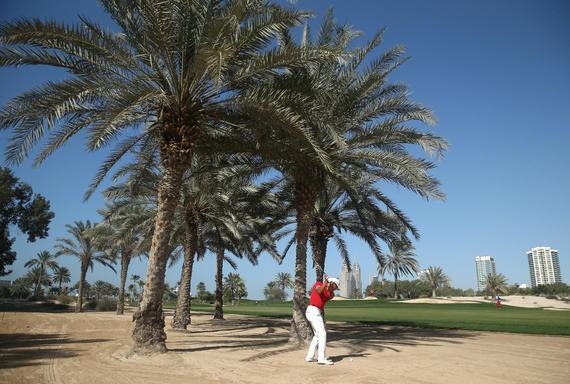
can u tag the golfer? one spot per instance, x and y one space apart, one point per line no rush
320 294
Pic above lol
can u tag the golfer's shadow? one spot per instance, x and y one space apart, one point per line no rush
337 358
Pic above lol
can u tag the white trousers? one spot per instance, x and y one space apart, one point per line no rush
320 335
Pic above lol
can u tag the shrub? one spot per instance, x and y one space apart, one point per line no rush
106 305
91 304
64 299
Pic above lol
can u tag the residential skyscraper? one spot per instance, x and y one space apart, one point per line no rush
484 266
544 266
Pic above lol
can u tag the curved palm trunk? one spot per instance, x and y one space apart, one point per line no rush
125 261
148 332
219 310
305 197
79 307
181 317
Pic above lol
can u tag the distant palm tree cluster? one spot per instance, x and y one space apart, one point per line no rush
230 134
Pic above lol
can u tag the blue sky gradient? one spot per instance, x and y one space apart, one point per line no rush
496 73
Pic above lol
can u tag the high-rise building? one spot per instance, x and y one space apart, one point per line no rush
484 266
544 266
350 282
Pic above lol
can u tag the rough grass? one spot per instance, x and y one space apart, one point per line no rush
477 316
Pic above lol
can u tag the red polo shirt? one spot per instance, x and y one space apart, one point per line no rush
319 300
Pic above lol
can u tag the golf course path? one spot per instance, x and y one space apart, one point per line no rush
91 348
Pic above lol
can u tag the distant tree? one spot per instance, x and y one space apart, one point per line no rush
42 262
201 292
61 276
234 285
81 245
19 206
21 287
496 283
400 262
273 293
436 278
284 280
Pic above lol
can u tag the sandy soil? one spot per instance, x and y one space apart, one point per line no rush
90 348
516 301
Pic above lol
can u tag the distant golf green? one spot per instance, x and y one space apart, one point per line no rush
477 317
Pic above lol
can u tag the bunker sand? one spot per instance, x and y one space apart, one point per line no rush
92 348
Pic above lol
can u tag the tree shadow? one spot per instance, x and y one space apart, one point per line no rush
365 336
35 306
27 349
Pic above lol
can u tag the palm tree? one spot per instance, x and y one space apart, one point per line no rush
37 277
496 283
283 280
400 262
333 118
436 278
42 262
235 286
169 72
123 231
61 276
81 244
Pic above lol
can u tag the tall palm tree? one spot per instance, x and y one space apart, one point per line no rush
169 72
331 118
496 283
81 244
284 280
61 276
44 261
400 261
36 277
436 279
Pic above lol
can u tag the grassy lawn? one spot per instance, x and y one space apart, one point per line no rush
478 317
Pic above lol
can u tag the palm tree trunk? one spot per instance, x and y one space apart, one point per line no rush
433 293
125 261
319 242
395 286
219 310
305 197
79 307
181 317
148 332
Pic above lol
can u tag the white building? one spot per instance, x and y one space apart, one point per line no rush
544 266
484 266
351 282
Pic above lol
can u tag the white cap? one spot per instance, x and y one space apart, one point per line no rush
333 280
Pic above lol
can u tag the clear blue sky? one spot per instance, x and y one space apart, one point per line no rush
497 75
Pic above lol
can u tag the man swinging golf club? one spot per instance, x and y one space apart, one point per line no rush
320 294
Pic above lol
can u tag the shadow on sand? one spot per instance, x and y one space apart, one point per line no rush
273 337
26 349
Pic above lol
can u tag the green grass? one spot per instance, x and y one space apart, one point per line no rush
477 317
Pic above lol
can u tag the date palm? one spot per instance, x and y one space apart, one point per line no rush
401 261
284 280
43 262
81 244
235 286
496 283
333 118
124 229
436 279
167 75
61 276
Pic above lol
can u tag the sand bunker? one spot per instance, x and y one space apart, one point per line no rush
516 301
91 348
